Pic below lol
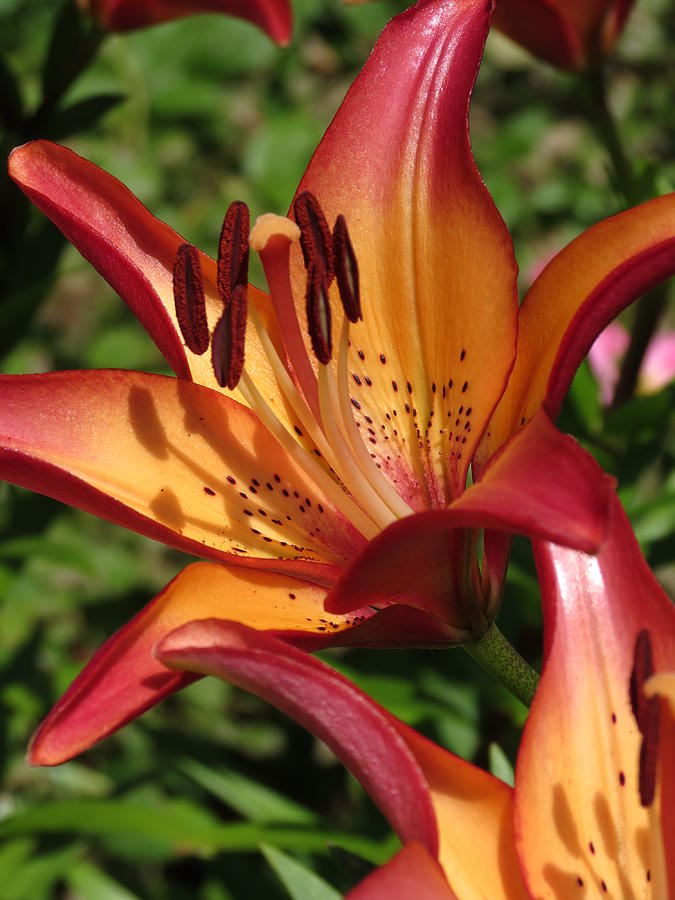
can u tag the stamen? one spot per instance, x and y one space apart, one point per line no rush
188 295
233 250
229 336
330 414
318 315
315 236
647 712
272 237
346 270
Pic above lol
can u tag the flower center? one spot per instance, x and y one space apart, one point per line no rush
340 463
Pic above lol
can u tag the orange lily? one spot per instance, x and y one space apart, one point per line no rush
272 16
570 34
271 481
592 809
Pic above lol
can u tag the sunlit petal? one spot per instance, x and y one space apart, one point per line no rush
579 822
411 874
542 484
432 354
577 294
170 459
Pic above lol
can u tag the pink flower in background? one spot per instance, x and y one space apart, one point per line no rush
605 356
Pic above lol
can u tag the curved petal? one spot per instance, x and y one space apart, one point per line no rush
358 731
567 33
543 28
427 794
578 816
123 679
273 16
135 253
574 298
411 874
542 484
170 459
437 341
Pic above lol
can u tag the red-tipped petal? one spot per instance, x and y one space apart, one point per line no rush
579 822
411 875
450 807
542 484
436 268
272 16
574 298
171 459
135 253
124 679
358 731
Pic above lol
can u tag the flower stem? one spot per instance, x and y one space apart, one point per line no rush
649 308
498 657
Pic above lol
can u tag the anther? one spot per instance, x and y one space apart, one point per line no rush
188 295
315 236
318 315
346 270
233 250
229 335
646 711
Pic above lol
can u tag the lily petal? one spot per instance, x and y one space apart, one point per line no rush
426 793
567 33
124 679
574 298
170 459
411 874
587 784
322 701
273 16
135 253
542 484
436 265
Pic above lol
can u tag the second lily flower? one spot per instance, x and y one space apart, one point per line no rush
330 478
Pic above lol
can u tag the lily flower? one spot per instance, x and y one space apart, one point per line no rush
591 813
570 34
325 476
273 16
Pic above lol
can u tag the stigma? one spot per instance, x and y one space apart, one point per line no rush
310 368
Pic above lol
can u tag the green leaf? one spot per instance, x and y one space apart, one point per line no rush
90 883
176 828
500 765
252 800
300 882
71 47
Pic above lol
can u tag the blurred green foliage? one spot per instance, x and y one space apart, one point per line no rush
192 115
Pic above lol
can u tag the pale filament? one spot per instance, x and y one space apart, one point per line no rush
359 489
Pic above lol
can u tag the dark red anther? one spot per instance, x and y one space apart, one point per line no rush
346 270
315 236
318 315
647 712
233 250
229 338
188 295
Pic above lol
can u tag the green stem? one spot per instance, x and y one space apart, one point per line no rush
498 657
649 308
602 121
